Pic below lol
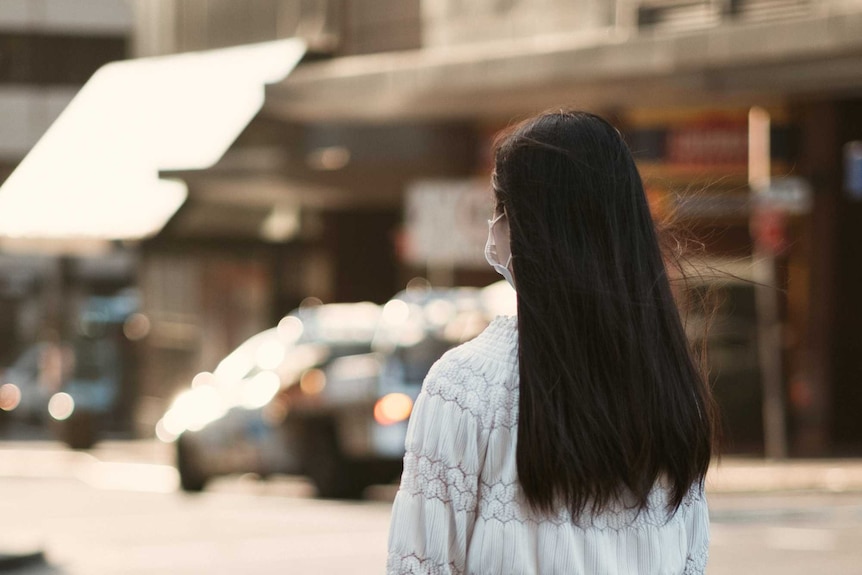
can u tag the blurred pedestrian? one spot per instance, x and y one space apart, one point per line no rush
574 437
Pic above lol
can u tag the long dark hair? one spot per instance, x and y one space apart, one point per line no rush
611 397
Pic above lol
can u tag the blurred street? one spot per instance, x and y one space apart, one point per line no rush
108 517
116 510
236 235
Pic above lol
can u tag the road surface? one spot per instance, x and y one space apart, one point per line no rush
117 511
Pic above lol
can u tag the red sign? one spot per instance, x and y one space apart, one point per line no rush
769 230
709 143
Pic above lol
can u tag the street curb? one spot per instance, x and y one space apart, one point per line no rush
738 476
763 476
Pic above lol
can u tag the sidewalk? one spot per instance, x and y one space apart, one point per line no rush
742 475
731 475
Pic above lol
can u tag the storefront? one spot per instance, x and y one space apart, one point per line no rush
683 100
314 198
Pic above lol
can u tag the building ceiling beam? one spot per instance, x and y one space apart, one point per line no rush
607 67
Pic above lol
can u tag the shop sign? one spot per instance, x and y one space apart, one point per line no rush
769 230
790 195
708 143
774 205
447 222
712 205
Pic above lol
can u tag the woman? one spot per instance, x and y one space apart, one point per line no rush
575 437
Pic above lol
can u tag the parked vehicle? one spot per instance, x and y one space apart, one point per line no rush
80 388
256 411
95 398
35 375
327 394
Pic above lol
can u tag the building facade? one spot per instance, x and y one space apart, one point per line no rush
393 93
48 50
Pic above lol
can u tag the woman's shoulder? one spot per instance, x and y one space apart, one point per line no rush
498 343
481 375
490 356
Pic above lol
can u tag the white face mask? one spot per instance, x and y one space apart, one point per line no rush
491 252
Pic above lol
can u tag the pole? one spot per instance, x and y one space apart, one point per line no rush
769 328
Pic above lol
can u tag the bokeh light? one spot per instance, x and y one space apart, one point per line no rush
270 354
396 312
10 396
290 329
258 391
203 378
312 381
439 311
136 327
392 408
61 406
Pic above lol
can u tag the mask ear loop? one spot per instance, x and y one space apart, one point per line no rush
509 259
509 241
497 219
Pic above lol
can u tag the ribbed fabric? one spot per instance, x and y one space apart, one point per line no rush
460 509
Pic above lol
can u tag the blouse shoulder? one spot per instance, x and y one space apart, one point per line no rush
481 375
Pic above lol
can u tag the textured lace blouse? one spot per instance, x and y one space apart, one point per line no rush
460 509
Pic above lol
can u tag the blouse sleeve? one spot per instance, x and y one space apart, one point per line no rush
435 508
697 529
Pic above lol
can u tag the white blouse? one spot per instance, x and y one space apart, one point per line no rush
460 509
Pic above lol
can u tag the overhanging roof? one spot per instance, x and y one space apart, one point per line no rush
94 175
733 62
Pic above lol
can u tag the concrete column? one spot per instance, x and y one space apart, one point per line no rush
818 162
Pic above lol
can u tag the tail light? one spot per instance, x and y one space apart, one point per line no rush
392 408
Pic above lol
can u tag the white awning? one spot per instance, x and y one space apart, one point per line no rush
94 175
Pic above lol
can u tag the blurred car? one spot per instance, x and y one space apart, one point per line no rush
75 387
32 378
326 394
236 419
94 397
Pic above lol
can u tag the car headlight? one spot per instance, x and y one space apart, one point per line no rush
191 410
259 390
